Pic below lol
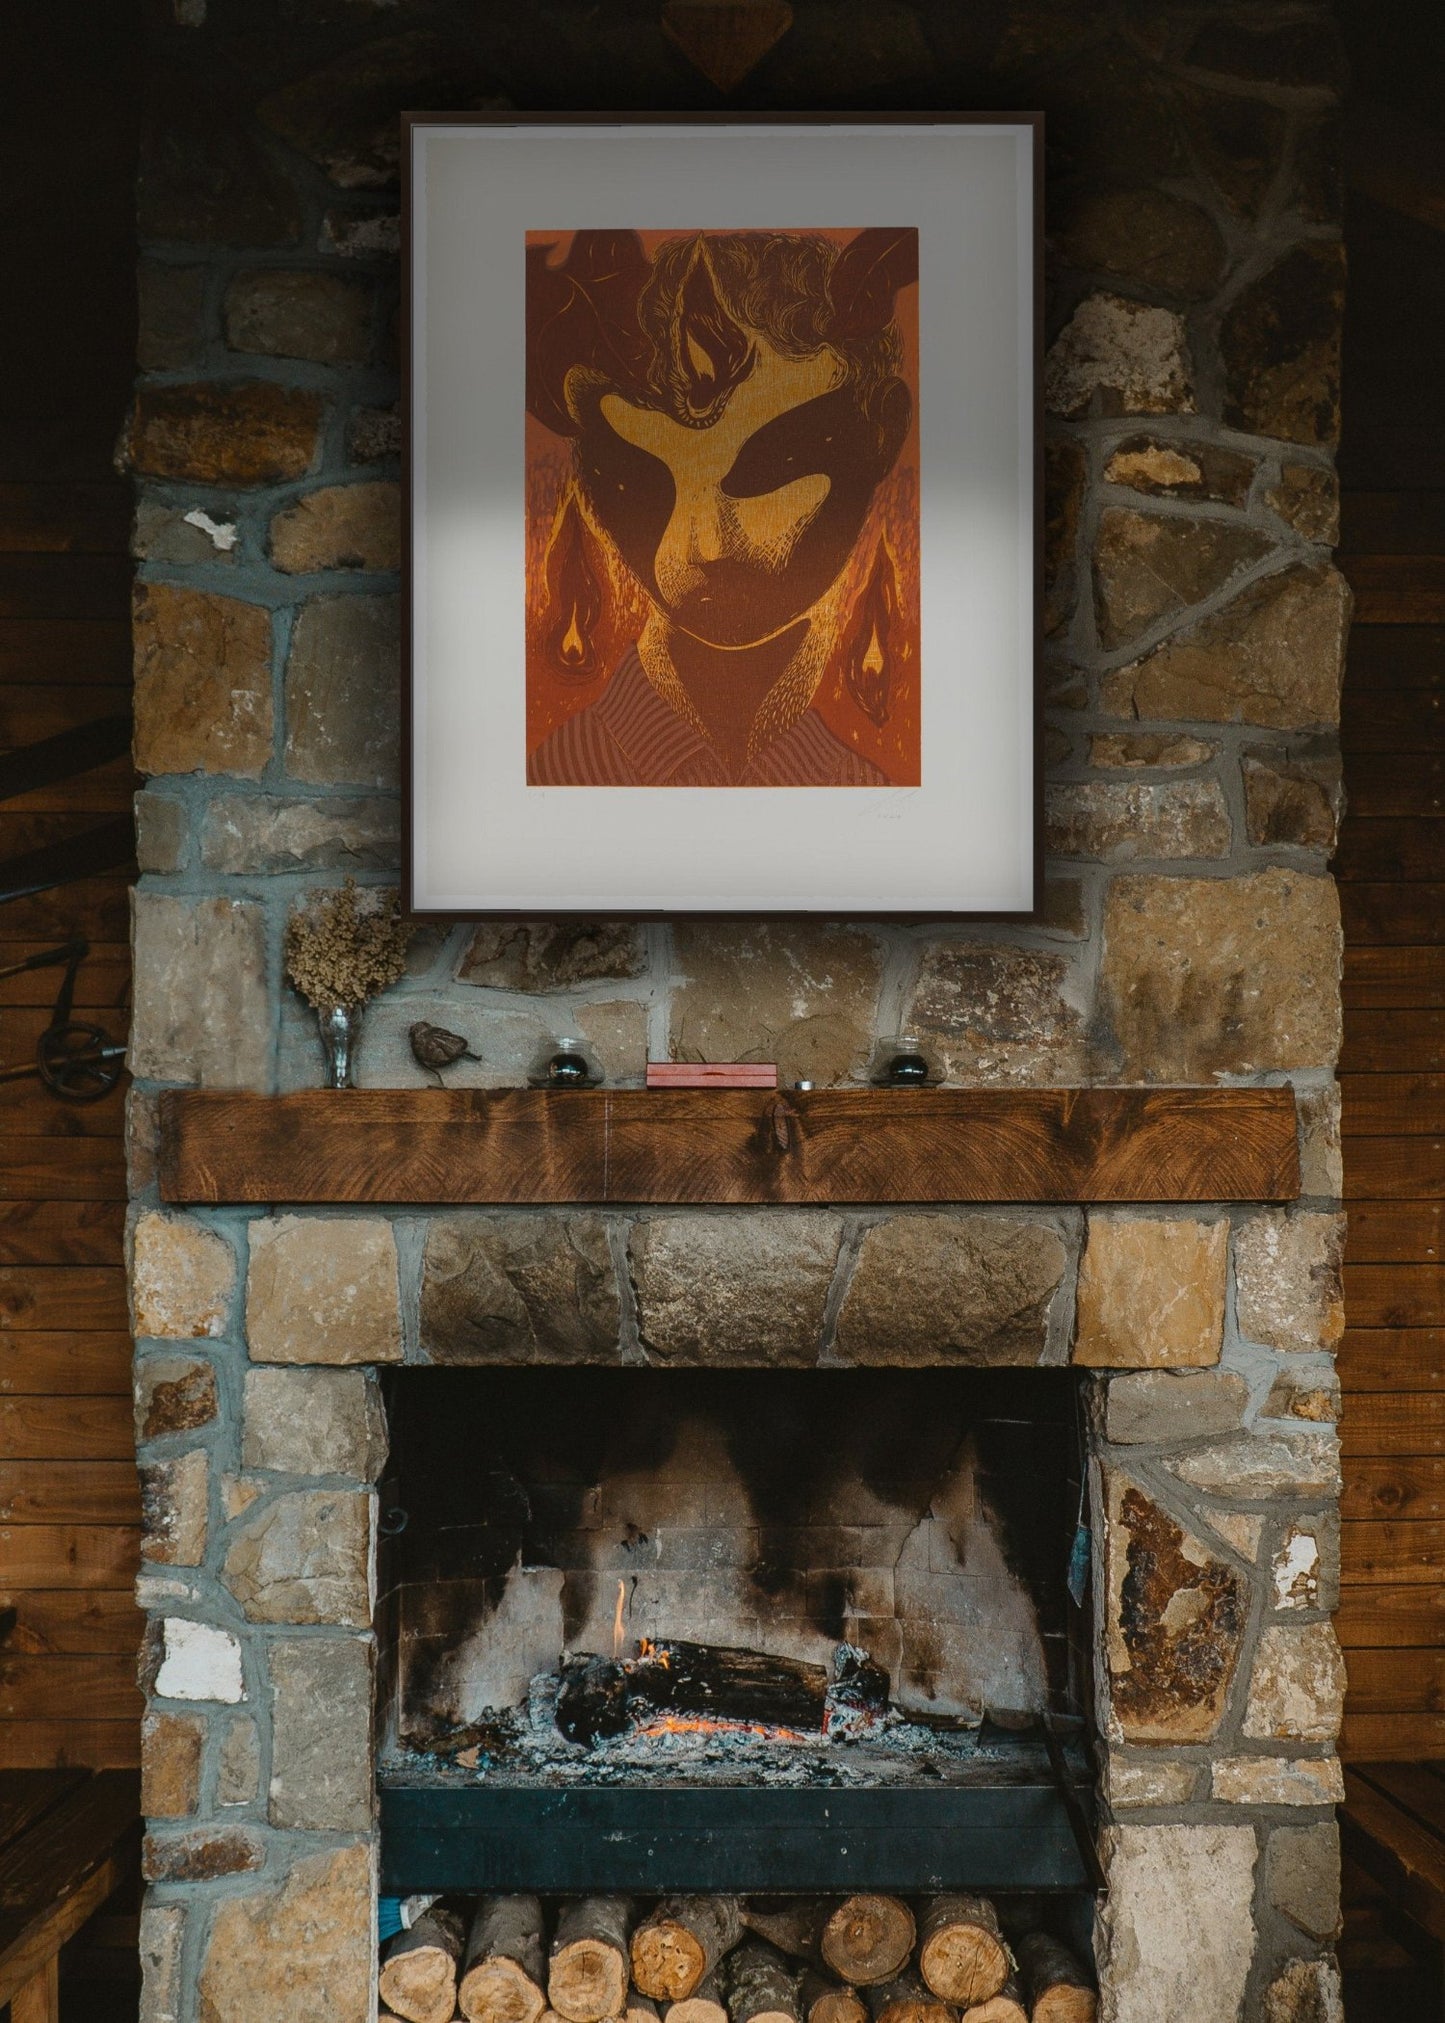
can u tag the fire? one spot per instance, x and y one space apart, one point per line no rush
617 1621
695 1724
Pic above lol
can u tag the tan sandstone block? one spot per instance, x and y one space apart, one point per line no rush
1151 1293
339 527
1203 977
1274 656
1289 1280
1149 569
1135 356
303 1949
304 1558
803 996
995 1013
1277 1780
1297 1690
745 1289
343 724
202 682
1308 1991
1157 1963
182 1278
323 1289
248 432
162 1934
170 1775
202 1013
930 1289
1134 1781
175 1499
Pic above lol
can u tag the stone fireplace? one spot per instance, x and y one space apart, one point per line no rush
1170 1360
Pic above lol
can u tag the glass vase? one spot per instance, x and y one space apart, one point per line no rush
340 1029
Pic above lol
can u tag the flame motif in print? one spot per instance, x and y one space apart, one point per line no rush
878 645
574 598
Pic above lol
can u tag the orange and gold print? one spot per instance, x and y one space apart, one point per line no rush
722 509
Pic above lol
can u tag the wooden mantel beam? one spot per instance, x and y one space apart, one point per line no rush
729 1145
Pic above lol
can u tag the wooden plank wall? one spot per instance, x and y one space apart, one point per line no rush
69 1505
1391 865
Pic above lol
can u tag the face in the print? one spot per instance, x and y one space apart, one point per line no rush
738 528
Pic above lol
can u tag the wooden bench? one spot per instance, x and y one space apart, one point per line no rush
1392 1825
68 1838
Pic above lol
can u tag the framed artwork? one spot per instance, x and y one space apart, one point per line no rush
724 515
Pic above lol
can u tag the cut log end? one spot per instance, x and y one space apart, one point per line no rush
905 1999
675 1949
868 1939
1059 1989
418 1979
503 1974
704 2005
587 1974
825 2002
762 1985
962 1956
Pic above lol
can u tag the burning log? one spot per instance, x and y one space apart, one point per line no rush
868 1940
829 2002
680 1944
904 1999
1007 2006
592 1699
795 1928
587 1974
419 1975
735 1685
1059 1990
762 1988
704 2005
962 1955
503 1973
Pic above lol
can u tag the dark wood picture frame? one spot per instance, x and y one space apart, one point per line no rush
410 122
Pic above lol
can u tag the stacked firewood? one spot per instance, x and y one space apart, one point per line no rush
722 1959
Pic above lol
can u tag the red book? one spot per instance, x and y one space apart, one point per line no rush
712 1074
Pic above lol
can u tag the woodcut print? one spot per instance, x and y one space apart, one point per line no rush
722 507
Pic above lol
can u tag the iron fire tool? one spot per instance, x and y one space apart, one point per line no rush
75 1061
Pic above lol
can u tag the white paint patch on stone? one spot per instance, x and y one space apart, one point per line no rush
1296 1571
222 533
1139 352
1158 1957
200 1663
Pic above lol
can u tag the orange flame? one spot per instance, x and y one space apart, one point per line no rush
617 1621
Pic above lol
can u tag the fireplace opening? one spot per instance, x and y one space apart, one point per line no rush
754 1604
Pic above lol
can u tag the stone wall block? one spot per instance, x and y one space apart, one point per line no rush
1308 1991
537 956
285 312
1280 342
742 1289
162 833
803 996
1305 1569
1119 821
202 1855
162 1934
1162 1406
303 1948
174 1509
321 1766
1145 237
1180 470
1175 1623
170 329
995 1013
339 527
1293 802
342 692
242 432
304 1557
1307 496
938 1289
204 179
1273 656
202 1012
1148 569
1289 1280
238 1763
182 1277
1202 977
1297 1689
323 1289
1133 356
202 682
1302 1877
1151 1293
199 1662
1256 1470
1277 1780
313 1422
1156 1962
170 1779
519 1288
173 1394
262 832
1147 1780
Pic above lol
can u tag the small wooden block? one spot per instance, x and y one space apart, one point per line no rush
712 1075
